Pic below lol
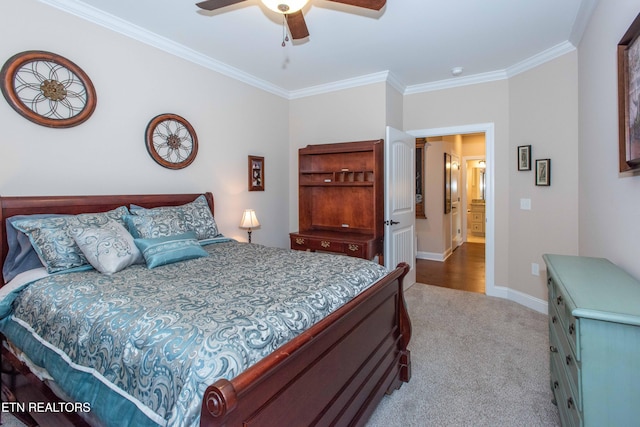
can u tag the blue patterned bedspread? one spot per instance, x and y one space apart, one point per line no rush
159 337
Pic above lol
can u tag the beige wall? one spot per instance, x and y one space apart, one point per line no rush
543 113
468 105
355 114
134 83
609 202
537 107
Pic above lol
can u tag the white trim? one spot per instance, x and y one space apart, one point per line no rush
521 298
489 132
99 17
368 79
433 256
106 20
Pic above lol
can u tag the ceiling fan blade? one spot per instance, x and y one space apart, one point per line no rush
369 4
216 4
297 25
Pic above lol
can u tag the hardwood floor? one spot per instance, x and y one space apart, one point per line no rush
463 270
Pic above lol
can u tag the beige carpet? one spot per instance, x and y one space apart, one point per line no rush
476 361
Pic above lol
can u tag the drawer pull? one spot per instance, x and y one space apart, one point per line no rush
569 359
559 300
554 319
556 385
553 349
299 241
572 329
325 243
353 247
570 403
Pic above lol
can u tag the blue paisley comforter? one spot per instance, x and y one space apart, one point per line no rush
141 346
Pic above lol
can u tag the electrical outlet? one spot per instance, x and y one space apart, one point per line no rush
525 204
535 269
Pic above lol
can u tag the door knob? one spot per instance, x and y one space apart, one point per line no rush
391 222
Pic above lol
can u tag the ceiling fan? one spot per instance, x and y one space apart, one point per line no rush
292 10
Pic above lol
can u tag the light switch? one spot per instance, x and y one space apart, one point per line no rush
525 204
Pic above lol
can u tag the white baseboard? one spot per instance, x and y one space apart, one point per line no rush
521 298
433 256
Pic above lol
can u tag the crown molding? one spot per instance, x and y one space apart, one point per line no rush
382 76
540 58
96 16
111 22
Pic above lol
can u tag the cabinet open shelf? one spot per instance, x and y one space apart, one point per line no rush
341 198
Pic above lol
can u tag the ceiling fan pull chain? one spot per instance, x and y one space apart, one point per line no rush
285 36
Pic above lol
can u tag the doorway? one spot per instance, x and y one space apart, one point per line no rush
487 129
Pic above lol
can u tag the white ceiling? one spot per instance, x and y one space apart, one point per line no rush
413 44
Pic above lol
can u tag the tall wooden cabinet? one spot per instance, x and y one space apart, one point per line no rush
341 199
594 341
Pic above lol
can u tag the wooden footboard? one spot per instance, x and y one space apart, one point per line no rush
334 374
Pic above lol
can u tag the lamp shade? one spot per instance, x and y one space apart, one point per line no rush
249 219
285 6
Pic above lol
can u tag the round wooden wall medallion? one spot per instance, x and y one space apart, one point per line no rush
47 89
171 141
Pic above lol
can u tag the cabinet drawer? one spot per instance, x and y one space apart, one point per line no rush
476 227
325 245
565 359
354 249
570 414
477 217
567 320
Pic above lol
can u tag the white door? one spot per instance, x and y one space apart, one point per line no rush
399 203
456 214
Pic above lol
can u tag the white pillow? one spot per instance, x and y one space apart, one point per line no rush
108 248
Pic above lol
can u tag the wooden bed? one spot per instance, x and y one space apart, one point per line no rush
335 373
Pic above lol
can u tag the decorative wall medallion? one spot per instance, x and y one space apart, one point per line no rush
171 141
48 89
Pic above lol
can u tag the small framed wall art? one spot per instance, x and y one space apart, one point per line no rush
256 173
628 93
543 172
524 158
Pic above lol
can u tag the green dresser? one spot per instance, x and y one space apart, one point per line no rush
594 341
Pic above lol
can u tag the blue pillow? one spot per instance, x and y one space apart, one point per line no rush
169 249
21 256
52 240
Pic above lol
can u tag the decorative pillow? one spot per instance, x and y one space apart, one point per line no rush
170 249
52 239
109 248
150 227
195 216
21 256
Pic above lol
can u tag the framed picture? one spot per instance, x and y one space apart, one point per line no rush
256 173
524 158
629 98
543 172
447 183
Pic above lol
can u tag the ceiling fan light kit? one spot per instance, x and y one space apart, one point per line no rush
285 6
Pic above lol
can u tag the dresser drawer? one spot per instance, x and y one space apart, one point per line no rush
567 321
569 367
360 249
324 245
570 414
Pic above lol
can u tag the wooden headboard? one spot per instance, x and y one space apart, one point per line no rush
28 205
